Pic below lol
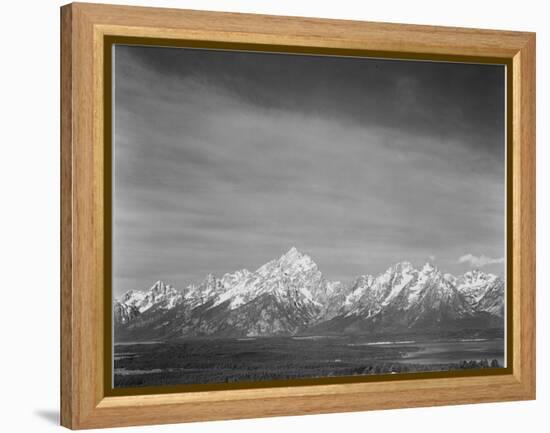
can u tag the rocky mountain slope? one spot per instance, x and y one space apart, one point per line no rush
289 296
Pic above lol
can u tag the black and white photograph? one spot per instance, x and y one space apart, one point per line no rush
285 216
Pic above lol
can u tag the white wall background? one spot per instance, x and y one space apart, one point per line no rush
29 174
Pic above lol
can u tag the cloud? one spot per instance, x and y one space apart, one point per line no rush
220 166
480 261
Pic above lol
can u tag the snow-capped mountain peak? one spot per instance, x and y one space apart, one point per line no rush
159 294
294 261
429 268
230 280
477 277
475 284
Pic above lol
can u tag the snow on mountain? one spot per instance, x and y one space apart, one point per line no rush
484 292
236 289
493 300
159 295
283 296
133 298
398 278
134 303
293 278
404 297
401 284
124 313
474 284
205 292
289 295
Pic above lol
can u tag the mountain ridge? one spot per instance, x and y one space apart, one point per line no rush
290 295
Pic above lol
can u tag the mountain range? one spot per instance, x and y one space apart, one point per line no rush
289 296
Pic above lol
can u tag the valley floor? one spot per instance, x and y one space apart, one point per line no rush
215 360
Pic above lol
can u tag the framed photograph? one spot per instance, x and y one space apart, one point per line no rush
269 216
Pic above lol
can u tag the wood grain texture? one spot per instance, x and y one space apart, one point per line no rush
524 219
83 401
67 389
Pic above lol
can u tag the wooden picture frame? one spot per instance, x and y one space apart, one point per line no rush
86 30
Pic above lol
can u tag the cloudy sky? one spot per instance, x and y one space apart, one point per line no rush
225 160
